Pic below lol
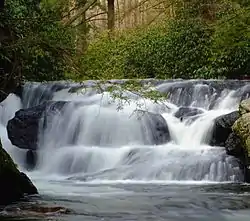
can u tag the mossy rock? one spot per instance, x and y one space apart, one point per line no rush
242 129
244 107
14 185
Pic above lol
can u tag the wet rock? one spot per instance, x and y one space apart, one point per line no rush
26 184
159 132
238 144
185 112
223 128
31 159
242 129
242 92
233 145
49 210
244 107
36 210
33 94
23 128
14 185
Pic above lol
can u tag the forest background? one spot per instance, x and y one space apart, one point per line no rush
44 40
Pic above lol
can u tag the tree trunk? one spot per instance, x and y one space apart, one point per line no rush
2 4
111 15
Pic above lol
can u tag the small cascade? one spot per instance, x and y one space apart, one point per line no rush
91 140
7 111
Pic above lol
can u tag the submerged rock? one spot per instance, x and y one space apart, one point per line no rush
159 132
185 112
36 210
24 127
223 128
14 185
31 159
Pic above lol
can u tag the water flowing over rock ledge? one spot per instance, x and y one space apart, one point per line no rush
79 133
23 129
182 92
232 131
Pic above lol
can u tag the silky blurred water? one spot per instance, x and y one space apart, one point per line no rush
145 201
103 164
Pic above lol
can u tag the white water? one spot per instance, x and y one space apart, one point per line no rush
96 143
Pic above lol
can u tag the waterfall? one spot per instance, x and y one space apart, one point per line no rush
90 140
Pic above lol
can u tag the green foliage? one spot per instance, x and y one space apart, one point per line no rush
206 39
104 58
231 45
175 50
34 42
197 43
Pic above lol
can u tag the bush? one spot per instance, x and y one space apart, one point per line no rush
189 46
35 42
231 45
206 39
174 50
103 59
177 52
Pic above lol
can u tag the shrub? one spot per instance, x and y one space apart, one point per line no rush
231 45
34 42
177 52
173 50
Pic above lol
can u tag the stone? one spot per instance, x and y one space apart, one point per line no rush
233 146
159 132
36 210
185 112
242 128
31 159
244 107
23 129
14 184
223 128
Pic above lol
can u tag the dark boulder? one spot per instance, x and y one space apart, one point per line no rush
234 145
14 185
24 127
185 112
26 185
31 159
159 132
223 128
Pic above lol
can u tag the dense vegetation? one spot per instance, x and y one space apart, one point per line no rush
204 39
192 45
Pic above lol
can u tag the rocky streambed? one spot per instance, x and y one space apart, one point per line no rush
96 162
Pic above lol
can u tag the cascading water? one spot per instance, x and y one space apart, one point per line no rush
93 141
